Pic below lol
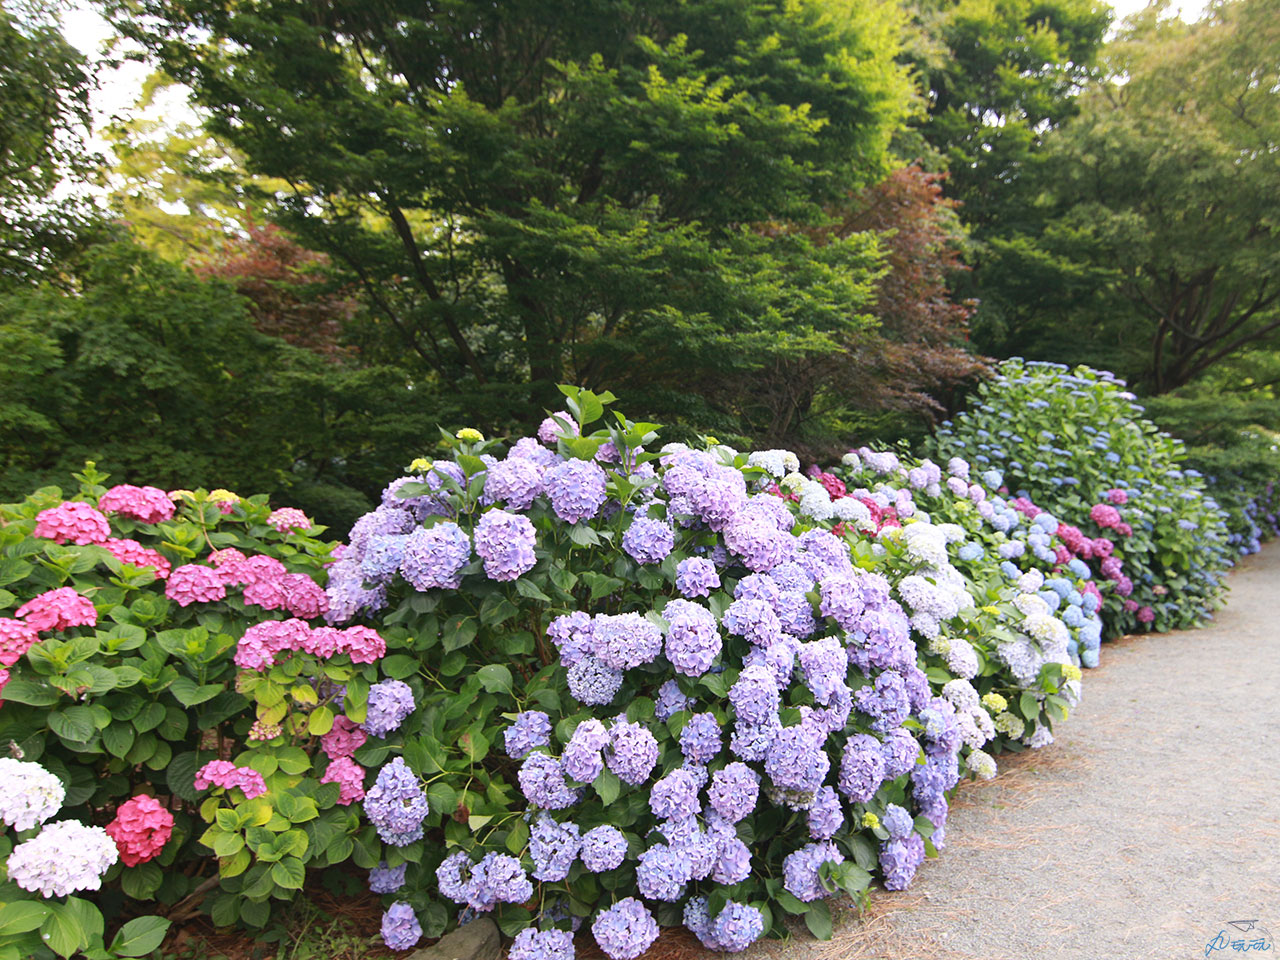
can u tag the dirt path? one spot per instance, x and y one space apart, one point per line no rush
1152 822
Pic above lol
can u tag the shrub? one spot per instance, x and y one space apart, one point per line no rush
656 687
1074 442
121 613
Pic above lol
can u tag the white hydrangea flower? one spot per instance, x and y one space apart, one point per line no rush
1010 724
852 461
953 532
1031 581
850 510
1030 604
982 763
815 502
926 543
962 660
777 463
962 695
29 794
793 481
65 857
985 723
1042 736
970 735
1022 659
938 646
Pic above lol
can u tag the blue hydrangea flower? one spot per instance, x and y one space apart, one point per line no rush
400 927
433 557
542 782
593 682
625 640
505 542
603 848
576 489
800 870
633 752
583 758
696 577
532 728
553 847
861 768
693 640
396 805
700 740
734 791
625 930
675 796
648 540
384 879
390 701
826 815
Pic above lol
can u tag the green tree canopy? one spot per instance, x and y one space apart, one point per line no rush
533 192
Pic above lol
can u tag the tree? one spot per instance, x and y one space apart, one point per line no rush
44 118
1164 190
532 192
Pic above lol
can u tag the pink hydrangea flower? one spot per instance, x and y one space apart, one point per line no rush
148 504
343 739
131 551
16 638
267 594
303 597
1104 515
223 773
1124 530
362 644
1062 554
4 680
322 642
289 518
193 583
349 776
1146 614
1102 547
234 567
58 610
1130 606
1118 497
141 829
79 523
258 647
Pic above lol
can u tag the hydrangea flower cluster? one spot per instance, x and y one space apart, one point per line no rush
29 794
145 504
73 522
64 858
140 829
59 609
225 774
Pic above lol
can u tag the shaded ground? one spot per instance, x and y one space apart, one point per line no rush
1152 822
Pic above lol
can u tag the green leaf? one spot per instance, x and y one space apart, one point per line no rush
152 716
189 694
608 786
1029 705
21 916
399 666
32 694
528 589
289 873
790 903
600 584
140 936
118 738
495 678
517 837
74 724
818 919
181 775
62 930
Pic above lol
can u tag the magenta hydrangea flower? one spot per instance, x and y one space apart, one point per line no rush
134 553
362 644
58 609
344 738
147 504
74 522
193 583
16 638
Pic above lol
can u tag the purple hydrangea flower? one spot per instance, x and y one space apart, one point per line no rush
381 556
734 791
753 619
662 873
390 701
899 860
675 796
823 554
576 489
691 842
396 805
757 586
700 739
542 782
571 633
693 641
897 821
453 875
825 665
533 944
392 519
735 927
498 878
861 768
515 481
648 540
671 700
346 593
795 613
582 757
899 751
886 702
800 870
734 863
532 728
750 741
633 753
842 600
755 538
505 542
625 640
384 879
400 927
778 657
826 815
625 930
553 846
796 760
603 848
696 577
593 682
755 696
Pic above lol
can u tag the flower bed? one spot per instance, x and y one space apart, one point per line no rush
1074 443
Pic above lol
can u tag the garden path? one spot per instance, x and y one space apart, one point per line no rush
1150 824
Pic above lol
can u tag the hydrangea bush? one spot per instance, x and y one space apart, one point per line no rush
629 688
1074 443
138 632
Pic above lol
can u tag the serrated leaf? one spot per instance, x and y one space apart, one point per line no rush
494 677
140 936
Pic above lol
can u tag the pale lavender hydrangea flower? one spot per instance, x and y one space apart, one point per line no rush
796 760
532 728
824 663
700 739
497 878
671 700
897 821
648 540
693 640
754 620
381 556
505 542
593 682
625 930
542 782
400 927
757 540
633 752
696 577
734 791
735 927
662 873
861 768
390 701
576 489
396 805
675 796
625 640
553 846
385 879
899 860
603 848
582 757
755 696
826 815
800 870
533 944
515 481
571 633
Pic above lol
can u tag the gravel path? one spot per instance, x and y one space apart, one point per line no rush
1151 822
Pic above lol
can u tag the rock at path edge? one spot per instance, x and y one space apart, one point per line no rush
478 940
